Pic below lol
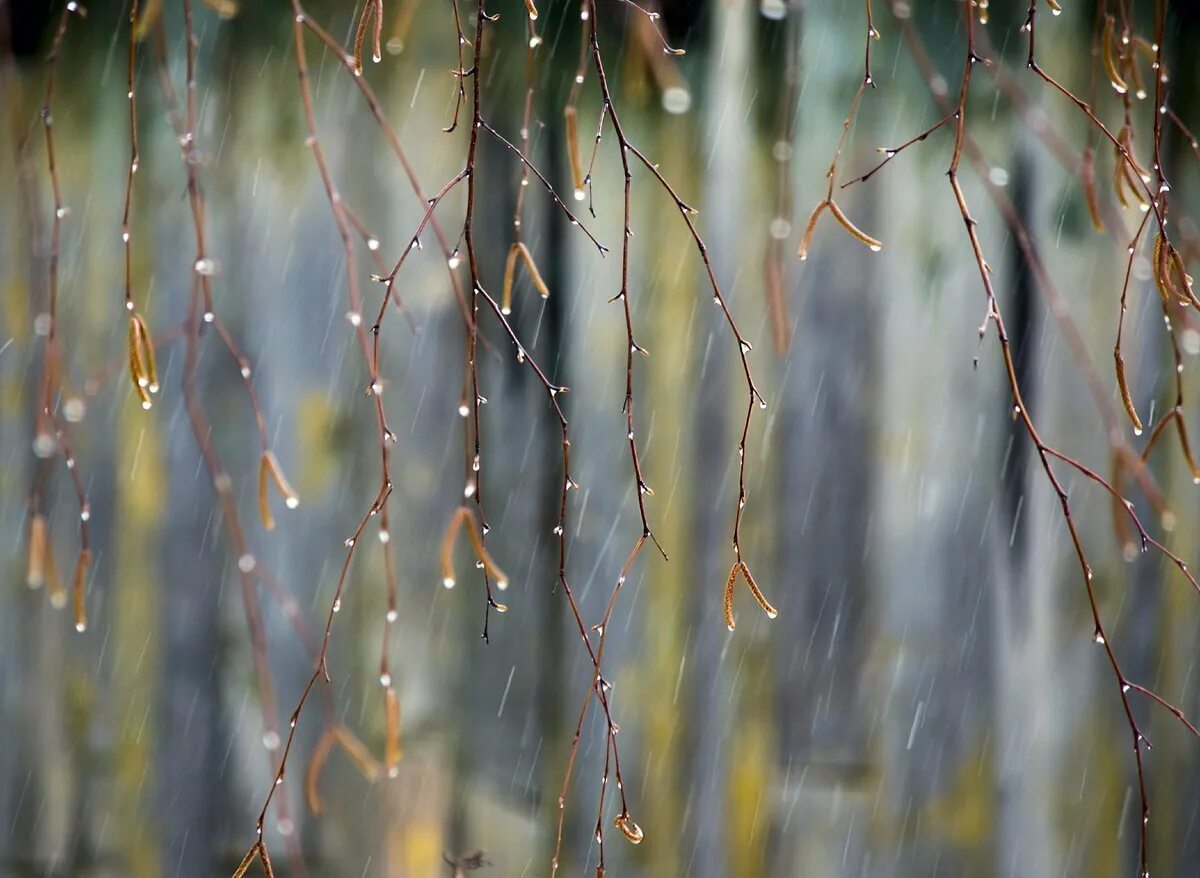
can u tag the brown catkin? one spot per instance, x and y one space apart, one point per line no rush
80 583
1126 397
571 120
809 228
757 592
729 584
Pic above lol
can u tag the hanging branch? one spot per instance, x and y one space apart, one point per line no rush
200 313
142 371
828 202
1045 452
600 687
50 432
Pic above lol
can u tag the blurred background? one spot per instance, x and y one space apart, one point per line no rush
929 701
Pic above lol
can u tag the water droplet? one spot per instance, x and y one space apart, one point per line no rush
44 445
773 10
676 100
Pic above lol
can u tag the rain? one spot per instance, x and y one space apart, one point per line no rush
606 437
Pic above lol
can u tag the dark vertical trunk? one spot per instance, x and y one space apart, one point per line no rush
189 769
554 625
1022 598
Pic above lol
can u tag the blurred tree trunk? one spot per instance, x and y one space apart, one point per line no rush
704 843
1023 589
555 627
188 581
828 418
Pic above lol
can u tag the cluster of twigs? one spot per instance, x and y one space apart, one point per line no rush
472 304
1118 47
1122 54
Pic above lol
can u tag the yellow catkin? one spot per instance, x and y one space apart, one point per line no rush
481 552
35 570
312 774
1110 64
1186 446
281 482
138 371
147 16
392 722
358 753
447 550
147 354
80 583
264 502
510 273
535 276
1183 279
571 121
54 584
223 8
1089 188
1119 181
1120 512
